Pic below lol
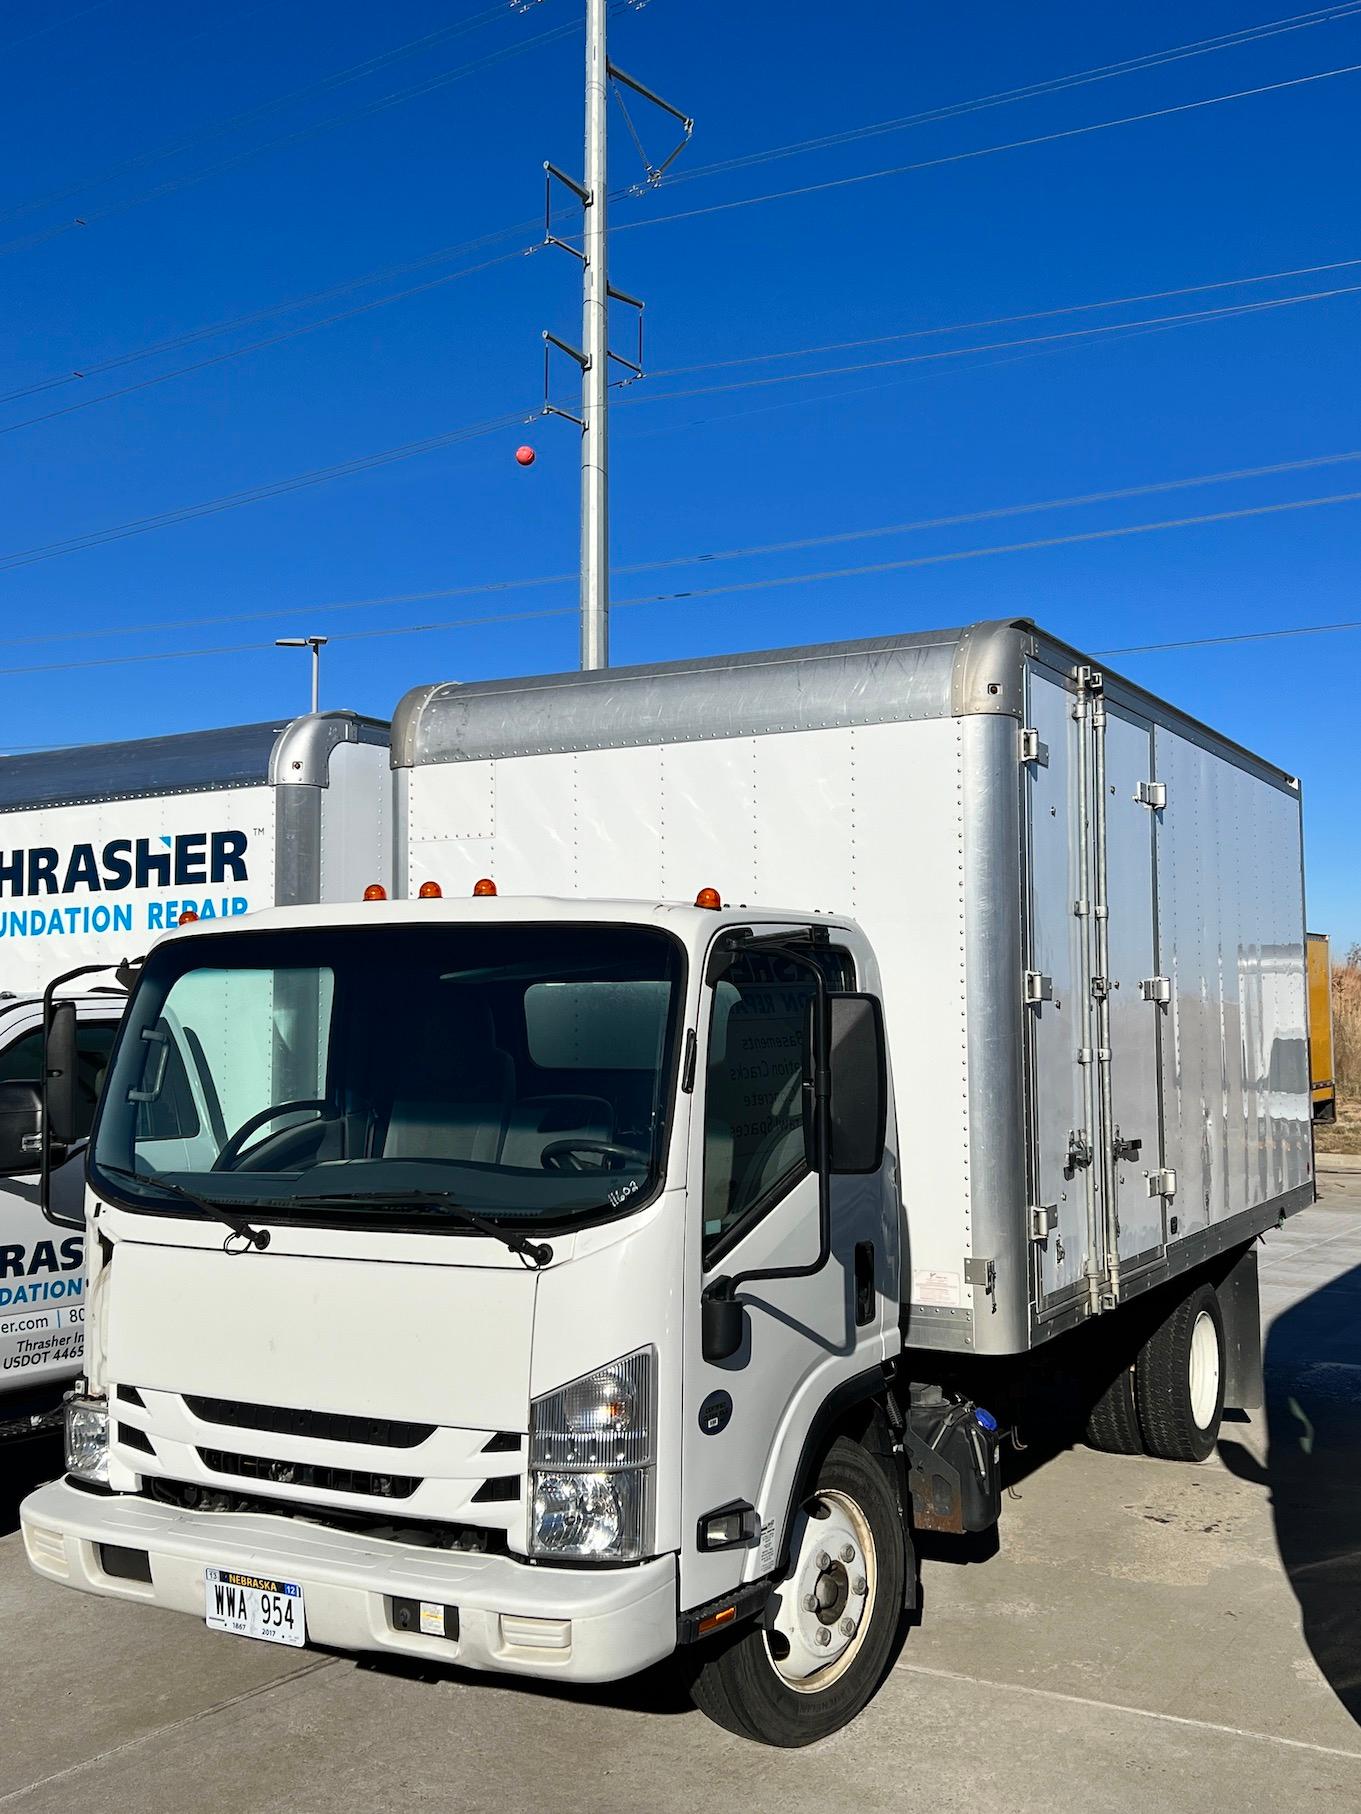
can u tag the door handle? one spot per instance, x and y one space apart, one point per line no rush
864 1283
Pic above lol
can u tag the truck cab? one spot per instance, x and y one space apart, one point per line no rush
530 1213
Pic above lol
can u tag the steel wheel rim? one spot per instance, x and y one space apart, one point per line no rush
844 1591
1203 1372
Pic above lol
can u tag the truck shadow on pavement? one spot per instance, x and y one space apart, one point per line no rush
1313 1471
661 1689
24 1465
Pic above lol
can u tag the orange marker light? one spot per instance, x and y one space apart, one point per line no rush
430 891
484 888
709 897
375 892
716 1620
187 918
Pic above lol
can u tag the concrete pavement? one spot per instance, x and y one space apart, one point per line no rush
1147 1636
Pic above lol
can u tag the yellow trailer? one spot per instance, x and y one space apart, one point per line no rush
1323 1088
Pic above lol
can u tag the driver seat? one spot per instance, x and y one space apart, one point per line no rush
538 1121
453 1094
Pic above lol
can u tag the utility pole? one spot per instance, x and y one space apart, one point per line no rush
593 356
595 374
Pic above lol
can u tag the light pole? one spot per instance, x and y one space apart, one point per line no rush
314 643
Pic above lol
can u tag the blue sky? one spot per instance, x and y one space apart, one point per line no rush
127 115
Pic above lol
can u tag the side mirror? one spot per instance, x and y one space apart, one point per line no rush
723 1326
21 1122
858 1107
59 1065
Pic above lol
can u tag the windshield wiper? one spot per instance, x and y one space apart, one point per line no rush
240 1227
538 1253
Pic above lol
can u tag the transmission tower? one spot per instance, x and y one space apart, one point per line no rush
594 354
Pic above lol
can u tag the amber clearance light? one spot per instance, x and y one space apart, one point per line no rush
709 897
430 891
375 892
485 888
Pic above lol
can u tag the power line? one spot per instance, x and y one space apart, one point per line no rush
1210 642
339 79
1185 319
1028 91
256 346
958 519
97 6
211 330
256 493
174 184
962 157
770 583
998 321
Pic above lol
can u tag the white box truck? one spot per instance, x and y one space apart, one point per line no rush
102 848
781 1069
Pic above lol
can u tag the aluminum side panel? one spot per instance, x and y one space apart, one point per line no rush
1132 958
1231 934
1059 1029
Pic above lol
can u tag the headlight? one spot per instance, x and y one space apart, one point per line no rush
590 1456
87 1438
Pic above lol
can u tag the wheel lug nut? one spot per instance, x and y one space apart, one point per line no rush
848 1628
847 1552
824 1636
822 1559
810 1602
859 1585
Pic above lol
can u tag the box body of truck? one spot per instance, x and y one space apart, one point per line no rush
102 847
1087 910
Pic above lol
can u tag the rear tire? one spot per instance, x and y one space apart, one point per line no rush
1179 1380
799 1674
1113 1421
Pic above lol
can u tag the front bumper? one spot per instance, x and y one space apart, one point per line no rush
579 1625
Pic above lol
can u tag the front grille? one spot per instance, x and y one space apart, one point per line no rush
309 1474
423 1533
324 1426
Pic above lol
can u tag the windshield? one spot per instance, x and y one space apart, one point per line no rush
522 1072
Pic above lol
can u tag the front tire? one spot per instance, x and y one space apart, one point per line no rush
1179 1380
809 1666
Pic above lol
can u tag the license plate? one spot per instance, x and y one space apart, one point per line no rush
254 1606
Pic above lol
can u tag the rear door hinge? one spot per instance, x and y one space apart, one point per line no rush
984 1273
1038 988
1156 988
1153 794
1032 750
1162 1183
1044 1219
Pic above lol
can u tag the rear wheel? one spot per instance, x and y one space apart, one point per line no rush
1179 1380
1113 1421
809 1666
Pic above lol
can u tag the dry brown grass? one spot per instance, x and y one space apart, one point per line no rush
1344 1136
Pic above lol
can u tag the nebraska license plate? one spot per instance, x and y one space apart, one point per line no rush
254 1606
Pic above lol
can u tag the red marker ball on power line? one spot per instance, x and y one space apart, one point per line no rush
525 456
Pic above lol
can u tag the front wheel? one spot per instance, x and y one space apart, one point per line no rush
817 1656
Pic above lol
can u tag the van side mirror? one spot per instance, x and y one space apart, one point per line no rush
59 1067
858 1107
21 1120
723 1323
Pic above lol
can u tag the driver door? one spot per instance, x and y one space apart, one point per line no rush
757 1207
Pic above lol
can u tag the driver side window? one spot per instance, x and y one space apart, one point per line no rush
754 1098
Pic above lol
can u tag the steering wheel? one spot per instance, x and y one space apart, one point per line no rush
563 1155
231 1152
